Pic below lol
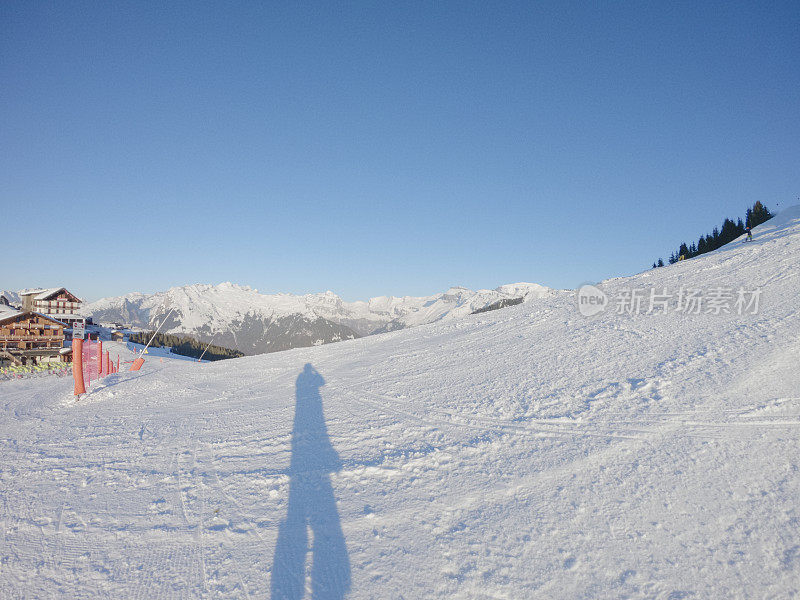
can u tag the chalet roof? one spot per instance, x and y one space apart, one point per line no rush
50 292
29 291
44 294
7 311
6 316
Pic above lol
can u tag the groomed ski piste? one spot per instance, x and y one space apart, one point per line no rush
529 452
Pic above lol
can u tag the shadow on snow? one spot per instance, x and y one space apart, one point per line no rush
311 506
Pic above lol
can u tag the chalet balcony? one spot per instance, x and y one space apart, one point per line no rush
30 342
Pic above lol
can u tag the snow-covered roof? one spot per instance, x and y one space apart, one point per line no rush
29 291
48 292
44 293
7 311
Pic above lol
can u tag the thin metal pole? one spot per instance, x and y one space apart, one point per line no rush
156 332
207 347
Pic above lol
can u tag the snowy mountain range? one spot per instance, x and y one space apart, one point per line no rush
240 317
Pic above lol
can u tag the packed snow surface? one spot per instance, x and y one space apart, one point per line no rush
529 452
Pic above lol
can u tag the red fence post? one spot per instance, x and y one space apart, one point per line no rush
106 361
99 356
77 366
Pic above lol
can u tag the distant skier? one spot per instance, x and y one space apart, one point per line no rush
749 232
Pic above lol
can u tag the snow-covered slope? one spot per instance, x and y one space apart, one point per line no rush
525 453
240 317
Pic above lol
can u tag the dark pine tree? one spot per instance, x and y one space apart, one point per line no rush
719 237
728 233
758 214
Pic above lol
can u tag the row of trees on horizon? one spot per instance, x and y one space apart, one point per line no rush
185 345
720 235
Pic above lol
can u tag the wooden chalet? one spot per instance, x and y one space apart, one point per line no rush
27 337
56 303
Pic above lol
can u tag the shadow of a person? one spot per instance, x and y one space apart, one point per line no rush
311 504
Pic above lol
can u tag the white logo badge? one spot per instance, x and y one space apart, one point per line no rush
591 300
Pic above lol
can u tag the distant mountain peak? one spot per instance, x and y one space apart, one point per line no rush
253 322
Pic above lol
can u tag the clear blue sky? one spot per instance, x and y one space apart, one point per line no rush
384 147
